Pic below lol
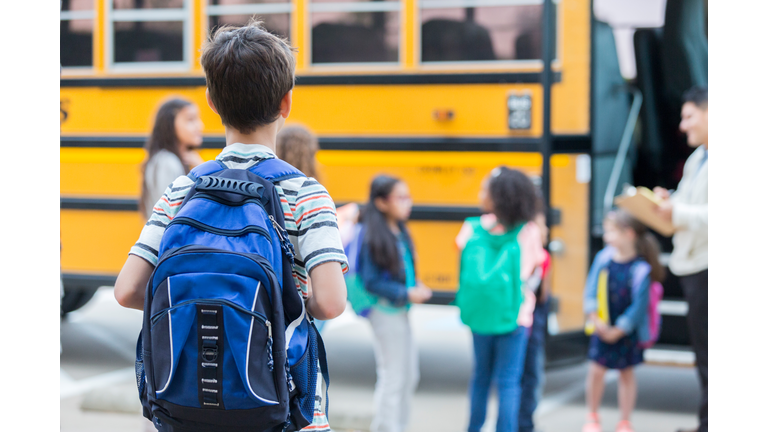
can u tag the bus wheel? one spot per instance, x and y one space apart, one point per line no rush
74 299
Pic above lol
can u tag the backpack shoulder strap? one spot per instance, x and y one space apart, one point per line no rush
205 168
275 170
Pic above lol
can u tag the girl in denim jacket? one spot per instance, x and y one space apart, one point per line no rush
617 317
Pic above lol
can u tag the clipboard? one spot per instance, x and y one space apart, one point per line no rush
641 203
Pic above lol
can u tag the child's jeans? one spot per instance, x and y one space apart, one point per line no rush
532 382
498 358
397 370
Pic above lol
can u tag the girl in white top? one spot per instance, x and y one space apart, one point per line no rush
177 132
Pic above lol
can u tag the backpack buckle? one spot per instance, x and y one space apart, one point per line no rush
210 354
210 350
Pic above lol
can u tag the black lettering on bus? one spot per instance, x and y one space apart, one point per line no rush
64 110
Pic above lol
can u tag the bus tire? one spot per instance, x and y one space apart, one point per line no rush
75 298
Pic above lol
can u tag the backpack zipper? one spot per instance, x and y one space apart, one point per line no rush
221 231
259 317
193 248
231 304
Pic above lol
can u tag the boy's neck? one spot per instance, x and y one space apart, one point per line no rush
265 135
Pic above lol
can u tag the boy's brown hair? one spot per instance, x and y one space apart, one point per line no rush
248 71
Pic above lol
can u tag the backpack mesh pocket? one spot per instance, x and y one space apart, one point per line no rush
141 380
139 366
304 374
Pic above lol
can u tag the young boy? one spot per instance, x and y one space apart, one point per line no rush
250 76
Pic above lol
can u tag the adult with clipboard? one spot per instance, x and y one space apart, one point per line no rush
686 209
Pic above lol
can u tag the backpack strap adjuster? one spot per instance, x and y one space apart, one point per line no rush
210 351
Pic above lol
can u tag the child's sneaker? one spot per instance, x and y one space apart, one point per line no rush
592 424
624 426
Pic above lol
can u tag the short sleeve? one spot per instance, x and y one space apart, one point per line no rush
148 245
161 171
318 230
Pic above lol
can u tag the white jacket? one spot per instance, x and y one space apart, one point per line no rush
161 170
690 217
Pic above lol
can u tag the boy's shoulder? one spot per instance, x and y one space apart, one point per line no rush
175 194
304 191
296 183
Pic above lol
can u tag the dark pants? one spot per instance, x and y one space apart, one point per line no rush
695 289
532 382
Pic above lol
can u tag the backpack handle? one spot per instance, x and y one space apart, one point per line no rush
220 184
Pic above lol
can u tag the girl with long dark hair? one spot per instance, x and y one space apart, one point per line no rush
177 132
387 268
616 300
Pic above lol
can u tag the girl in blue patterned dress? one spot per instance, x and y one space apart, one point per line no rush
617 317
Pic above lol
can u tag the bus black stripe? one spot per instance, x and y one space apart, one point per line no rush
560 143
318 80
419 212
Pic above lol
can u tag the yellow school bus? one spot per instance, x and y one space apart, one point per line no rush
436 92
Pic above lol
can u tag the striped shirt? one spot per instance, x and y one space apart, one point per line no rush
310 215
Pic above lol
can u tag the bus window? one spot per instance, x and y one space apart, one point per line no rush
276 14
76 37
355 31
480 30
148 33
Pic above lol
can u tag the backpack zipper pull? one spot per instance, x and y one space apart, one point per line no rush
277 228
288 377
284 242
270 360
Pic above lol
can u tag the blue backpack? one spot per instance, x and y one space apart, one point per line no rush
361 300
226 343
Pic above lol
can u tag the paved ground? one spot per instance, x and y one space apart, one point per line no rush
98 391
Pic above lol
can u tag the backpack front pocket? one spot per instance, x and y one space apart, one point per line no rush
198 340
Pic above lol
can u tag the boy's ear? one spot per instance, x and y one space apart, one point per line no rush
210 102
285 104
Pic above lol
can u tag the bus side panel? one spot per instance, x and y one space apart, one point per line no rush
570 195
361 110
97 241
126 110
571 96
105 172
437 257
435 178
